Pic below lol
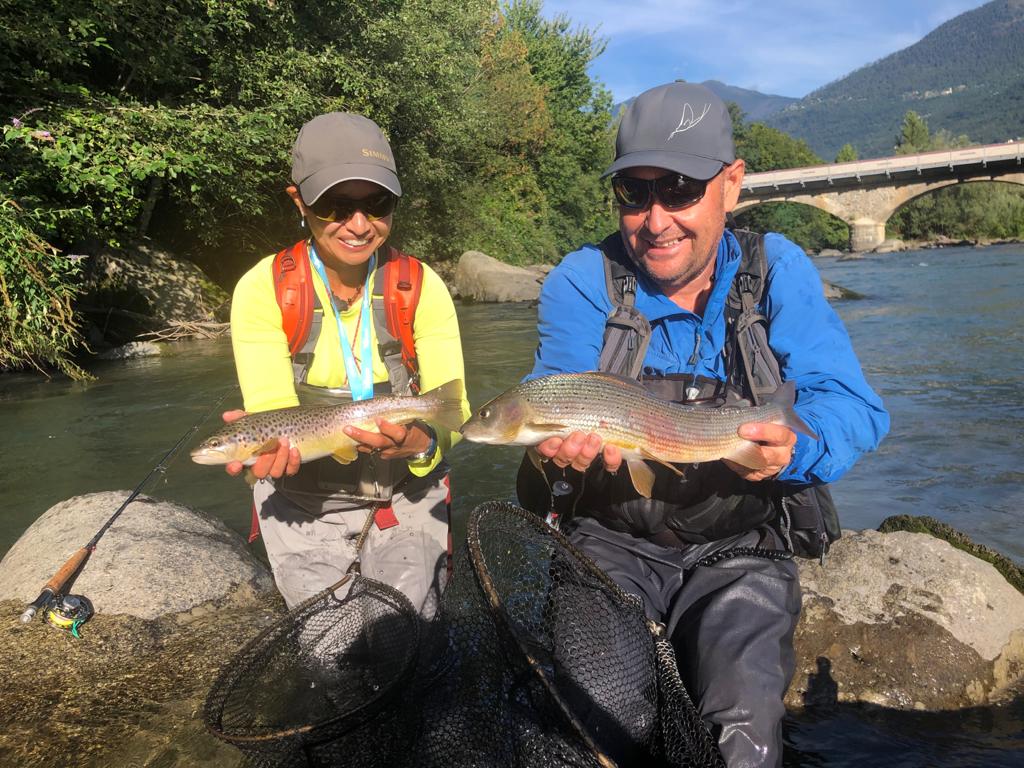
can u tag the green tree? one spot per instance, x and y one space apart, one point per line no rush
175 121
914 136
846 154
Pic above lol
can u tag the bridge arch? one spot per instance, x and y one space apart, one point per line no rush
1012 179
815 226
865 193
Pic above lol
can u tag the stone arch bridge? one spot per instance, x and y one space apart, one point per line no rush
865 193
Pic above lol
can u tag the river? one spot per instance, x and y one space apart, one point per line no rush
940 335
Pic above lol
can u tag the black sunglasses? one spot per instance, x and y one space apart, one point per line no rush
333 208
672 191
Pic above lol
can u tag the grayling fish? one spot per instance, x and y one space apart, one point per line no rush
316 430
624 414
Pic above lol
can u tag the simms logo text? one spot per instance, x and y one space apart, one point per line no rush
374 154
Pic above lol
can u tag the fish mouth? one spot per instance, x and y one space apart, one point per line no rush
209 456
477 434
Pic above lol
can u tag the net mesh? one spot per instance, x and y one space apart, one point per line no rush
534 659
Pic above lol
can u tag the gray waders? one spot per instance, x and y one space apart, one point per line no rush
730 613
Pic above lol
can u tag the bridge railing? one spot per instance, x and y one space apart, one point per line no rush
886 166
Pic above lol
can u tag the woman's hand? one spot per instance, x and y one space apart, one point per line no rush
276 460
775 444
394 441
579 450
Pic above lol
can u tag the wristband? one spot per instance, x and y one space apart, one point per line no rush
427 453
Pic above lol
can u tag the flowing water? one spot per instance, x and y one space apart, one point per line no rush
940 335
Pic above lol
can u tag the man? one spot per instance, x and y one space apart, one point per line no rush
709 553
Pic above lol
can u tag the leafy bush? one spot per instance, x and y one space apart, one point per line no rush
37 327
175 121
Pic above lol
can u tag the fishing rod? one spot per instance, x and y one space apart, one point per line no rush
67 572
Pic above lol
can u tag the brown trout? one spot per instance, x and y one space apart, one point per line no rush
624 414
316 430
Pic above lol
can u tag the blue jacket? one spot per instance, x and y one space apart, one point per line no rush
806 335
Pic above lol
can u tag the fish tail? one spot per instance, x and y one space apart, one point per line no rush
448 399
784 397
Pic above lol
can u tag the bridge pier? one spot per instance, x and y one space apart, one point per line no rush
866 235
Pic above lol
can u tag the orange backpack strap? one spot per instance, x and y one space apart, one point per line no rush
293 287
294 291
399 283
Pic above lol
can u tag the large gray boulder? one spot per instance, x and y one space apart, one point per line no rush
479 277
153 284
157 558
906 621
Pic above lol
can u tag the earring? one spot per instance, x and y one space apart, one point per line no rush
302 222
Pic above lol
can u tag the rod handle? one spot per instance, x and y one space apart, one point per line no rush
56 583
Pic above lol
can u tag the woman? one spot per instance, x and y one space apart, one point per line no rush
346 189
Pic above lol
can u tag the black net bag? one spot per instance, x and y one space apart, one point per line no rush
315 688
571 670
535 659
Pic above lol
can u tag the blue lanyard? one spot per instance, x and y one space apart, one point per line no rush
360 382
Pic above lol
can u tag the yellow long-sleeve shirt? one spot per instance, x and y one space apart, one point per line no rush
264 364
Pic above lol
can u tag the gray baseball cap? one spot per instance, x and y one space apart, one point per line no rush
337 147
682 127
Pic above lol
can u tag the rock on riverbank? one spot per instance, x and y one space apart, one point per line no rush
157 558
176 593
905 621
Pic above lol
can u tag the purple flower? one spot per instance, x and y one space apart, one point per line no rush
16 122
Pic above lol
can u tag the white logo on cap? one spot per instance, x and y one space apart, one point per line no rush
687 121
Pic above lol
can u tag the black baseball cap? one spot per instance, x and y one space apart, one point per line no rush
340 146
682 127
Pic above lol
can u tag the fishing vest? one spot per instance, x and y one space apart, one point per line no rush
710 501
395 294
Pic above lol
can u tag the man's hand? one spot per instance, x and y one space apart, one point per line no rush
775 446
579 450
277 460
394 441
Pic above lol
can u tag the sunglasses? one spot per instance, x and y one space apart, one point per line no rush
336 208
672 191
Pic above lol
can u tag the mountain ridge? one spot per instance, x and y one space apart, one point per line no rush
966 77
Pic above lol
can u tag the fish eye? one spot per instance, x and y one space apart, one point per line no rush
214 442
485 413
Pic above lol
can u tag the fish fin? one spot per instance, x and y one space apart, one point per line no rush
535 458
543 426
267 447
449 397
450 390
250 477
749 455
642 477
785 397
651 457
346 454
618 378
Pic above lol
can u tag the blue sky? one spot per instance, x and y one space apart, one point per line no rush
785 47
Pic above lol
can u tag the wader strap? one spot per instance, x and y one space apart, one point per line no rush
626 331
754 370
302 360
388 347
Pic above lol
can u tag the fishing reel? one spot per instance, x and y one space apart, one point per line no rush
69 612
